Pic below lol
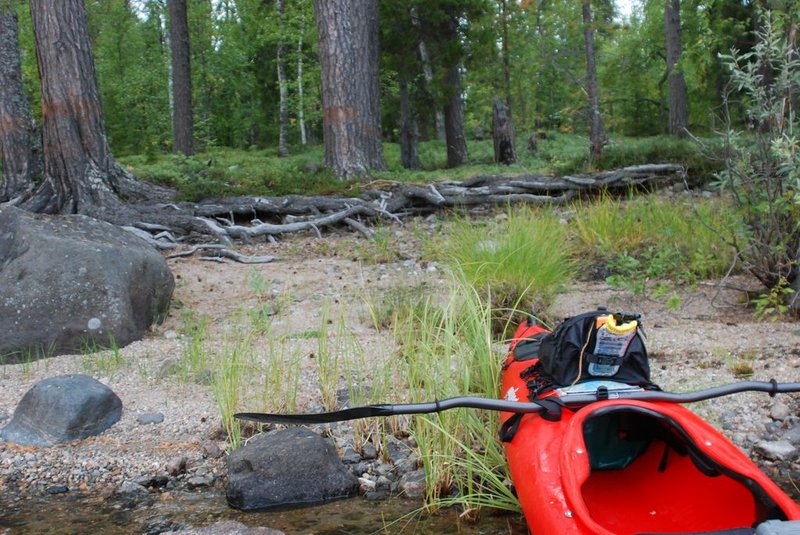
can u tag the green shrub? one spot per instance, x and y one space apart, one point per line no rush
762 166
656 238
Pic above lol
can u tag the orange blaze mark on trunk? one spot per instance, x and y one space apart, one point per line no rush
339 114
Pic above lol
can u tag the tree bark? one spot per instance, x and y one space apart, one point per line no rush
182 120
454 120
427 72
596 135
283 91
504 16
301 116
20 148
503 134
348 49
678 99
80 173
409 155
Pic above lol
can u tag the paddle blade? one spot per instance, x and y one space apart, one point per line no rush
317 418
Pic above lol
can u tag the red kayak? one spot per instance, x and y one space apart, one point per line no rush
621 467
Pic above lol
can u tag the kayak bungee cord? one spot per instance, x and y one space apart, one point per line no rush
541 405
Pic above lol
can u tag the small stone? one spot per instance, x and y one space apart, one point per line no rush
383 482
367 485
57 489
359 468
376 496
230 527
369 452
778 450
349 455
145 481
198 482
176 466
211 450
129 489
780 411
160 525
150 418
412 484
793 435
384 469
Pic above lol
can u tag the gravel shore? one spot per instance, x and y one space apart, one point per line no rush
708 341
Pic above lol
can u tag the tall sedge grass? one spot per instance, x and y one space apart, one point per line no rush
195 358
228 380
522 259
449 351
327 360
656 236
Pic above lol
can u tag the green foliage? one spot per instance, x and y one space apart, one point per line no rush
762 166
225 172
448 351
227 380
102 359
655 238
395 306
772 304
194 361
521 261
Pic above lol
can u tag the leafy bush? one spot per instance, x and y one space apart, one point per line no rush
762 166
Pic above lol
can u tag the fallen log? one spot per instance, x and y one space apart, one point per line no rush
249 217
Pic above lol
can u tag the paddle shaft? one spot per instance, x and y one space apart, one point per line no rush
492 404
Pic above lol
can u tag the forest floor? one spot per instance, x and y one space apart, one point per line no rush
708 341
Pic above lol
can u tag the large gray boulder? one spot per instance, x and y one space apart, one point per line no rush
62 408
72 282
287 468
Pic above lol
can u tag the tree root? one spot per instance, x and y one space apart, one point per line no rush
220 252
164 224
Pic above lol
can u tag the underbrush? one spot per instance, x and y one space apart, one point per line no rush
221 172
656 239
448 341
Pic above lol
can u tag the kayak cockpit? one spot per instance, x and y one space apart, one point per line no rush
648 474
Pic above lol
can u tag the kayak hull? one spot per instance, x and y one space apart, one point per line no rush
618 467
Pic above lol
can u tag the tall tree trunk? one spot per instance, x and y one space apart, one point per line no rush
19 144
504 7
182 120
427 72
80 173
454 120
283 91
301 116
596 136
409 155
348 49
678 99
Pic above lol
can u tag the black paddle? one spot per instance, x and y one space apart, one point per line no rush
367 411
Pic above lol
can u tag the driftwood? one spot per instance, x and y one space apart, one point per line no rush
253 217
220 252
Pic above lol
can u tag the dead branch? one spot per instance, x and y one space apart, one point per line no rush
251 217
221 251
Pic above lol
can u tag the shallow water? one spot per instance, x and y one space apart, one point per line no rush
65 514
